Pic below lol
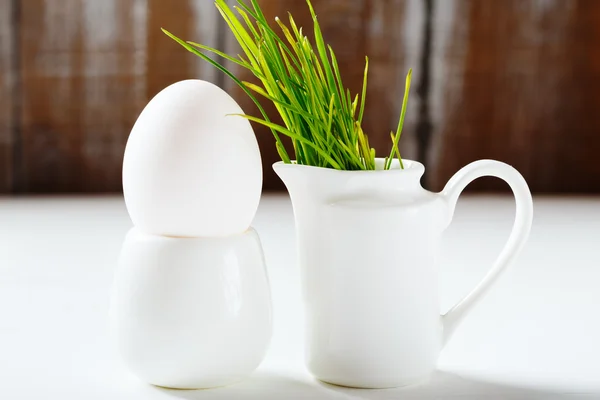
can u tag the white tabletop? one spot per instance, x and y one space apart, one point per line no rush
536 336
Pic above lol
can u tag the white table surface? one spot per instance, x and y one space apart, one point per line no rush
536 336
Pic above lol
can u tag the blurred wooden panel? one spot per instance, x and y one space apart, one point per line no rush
515 80
168 62
88 69
354 29
523 86
7 79
82 86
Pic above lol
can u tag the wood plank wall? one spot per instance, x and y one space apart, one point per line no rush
7 84
523 86
517 80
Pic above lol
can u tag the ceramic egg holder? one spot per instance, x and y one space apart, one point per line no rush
191 303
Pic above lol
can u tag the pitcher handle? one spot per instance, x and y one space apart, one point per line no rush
514 244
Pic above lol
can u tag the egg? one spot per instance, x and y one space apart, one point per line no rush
191 169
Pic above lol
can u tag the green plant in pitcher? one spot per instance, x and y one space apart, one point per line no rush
319 114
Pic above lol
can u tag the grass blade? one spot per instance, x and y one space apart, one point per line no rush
400 123
303 81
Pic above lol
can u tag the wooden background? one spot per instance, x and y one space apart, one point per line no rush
514 80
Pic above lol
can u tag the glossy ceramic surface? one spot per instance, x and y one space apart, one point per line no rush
191 313
367 243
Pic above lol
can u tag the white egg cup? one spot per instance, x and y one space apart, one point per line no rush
191 313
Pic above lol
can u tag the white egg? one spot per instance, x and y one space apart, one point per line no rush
190 168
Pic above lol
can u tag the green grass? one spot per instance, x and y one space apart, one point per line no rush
303 81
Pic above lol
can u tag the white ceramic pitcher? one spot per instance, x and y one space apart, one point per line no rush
367 243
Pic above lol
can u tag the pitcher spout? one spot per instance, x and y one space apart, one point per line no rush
313 190
329 184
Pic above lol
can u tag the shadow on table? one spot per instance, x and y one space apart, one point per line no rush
443 385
